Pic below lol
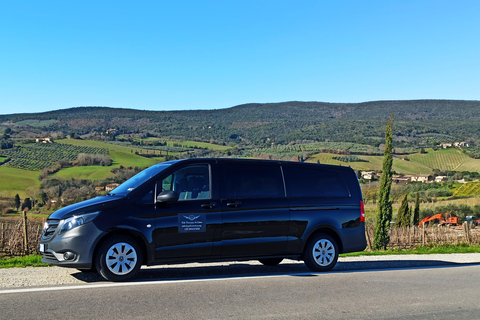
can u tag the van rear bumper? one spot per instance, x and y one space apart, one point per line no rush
353 239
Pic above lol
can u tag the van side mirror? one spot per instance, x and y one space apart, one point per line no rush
167 196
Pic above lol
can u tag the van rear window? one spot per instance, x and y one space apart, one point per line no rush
314 182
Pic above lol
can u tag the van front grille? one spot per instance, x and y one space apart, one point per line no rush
49 229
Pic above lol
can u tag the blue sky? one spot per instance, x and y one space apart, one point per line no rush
184 55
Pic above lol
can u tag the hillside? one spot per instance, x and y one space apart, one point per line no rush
417 123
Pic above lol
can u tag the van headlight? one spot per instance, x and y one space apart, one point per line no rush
75 221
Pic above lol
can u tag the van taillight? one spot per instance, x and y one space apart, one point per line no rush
362 211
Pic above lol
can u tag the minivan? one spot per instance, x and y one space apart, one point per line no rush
199 210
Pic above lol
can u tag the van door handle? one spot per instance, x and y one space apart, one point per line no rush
209 205
234 204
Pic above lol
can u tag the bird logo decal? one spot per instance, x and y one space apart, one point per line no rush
191 217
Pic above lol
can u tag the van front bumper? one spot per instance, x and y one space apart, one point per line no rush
73 249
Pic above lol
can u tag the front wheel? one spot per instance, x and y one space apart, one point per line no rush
321 253
119 258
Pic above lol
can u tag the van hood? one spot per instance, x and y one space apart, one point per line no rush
91 205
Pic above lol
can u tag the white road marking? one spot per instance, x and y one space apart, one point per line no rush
144 283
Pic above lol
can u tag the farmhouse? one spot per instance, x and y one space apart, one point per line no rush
421 178
44 140
368 175
401 179
111 186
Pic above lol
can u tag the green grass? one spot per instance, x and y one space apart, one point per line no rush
120 155
13 180
21 262
429 249
89 172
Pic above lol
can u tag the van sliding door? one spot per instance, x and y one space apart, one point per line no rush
255 213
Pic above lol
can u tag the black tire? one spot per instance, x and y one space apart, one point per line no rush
321 253
271 262
119 258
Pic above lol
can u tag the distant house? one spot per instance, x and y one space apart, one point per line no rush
44 140
455 144
111 186
401 179
368 175
440 178
421 178
99 189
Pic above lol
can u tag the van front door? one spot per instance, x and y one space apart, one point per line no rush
186 228
255 212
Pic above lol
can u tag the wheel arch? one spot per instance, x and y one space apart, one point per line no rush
135 235
325 230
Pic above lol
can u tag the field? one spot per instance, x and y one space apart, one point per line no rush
205 145
38 156
470 189
446 159
13 181
120 155
443 159
374 164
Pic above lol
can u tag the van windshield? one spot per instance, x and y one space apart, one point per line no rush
140 178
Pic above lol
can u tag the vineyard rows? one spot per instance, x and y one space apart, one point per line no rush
468 190
40 156
312 148
442 160
152 147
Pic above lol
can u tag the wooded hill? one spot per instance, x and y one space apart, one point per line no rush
417 123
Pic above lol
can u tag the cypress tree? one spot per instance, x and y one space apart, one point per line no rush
27 204
402 215
416 211
17 201
384 213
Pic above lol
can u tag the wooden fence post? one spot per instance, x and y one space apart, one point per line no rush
467 231
3 237
423 235
368 239
25 234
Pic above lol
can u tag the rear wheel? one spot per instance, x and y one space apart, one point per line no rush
321 253
119 258
271 262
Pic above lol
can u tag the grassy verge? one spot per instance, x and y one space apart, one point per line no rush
21 262
429 249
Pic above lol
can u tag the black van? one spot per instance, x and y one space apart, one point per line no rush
212 210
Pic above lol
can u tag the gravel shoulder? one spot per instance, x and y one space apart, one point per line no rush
55 276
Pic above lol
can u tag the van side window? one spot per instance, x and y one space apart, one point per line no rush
314 182
252 181
189 183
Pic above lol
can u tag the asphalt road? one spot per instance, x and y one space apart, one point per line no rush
249 291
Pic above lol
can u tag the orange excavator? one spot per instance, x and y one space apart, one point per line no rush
445 219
